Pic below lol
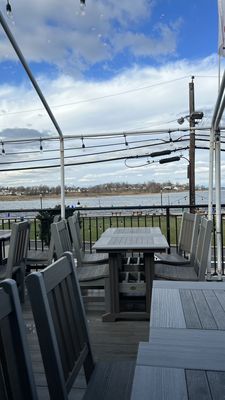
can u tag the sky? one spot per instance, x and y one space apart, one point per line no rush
116 76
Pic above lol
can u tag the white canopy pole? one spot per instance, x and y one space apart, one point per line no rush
218 205
45 104
210 194
217 115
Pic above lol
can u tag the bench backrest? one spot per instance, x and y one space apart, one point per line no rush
61 325
78 228
189 234
18 246
202 247
72 222
61 237
16 377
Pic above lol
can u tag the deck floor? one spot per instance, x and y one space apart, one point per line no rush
110 341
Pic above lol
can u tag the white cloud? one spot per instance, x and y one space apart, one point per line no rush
61 36
164 98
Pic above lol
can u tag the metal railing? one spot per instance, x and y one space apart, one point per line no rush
95 220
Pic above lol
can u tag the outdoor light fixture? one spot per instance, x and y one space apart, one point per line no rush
82 2
193 116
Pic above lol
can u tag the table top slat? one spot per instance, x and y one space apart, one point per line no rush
216 381
131 238
216 308
189 309
171 315
157 383
198 386
205 314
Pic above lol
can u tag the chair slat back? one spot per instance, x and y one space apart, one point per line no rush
18 246
72 222
61 325
188 234
16 377
202 248
61 237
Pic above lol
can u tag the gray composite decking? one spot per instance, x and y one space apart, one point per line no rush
185 358
110 341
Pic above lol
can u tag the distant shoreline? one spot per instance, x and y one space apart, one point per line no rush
80 195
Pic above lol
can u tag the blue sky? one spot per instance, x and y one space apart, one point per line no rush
111 67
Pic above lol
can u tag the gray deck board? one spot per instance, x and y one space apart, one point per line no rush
110 341
159 384
171 315
189 309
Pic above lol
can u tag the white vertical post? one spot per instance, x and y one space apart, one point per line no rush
210 194
218 205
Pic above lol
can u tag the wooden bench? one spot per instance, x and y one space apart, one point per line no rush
64 340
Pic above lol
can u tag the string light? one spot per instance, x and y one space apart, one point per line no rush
41 147
8 8
125 141
82 7
83 145
3 149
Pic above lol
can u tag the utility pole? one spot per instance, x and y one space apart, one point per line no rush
191 169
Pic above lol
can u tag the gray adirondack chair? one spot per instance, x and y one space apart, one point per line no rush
16 262
186 244
38 259
81 256
16 377
62 329
195 271
95 276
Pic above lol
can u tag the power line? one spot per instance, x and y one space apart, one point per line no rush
95 98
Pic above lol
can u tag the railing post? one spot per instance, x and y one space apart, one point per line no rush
168 227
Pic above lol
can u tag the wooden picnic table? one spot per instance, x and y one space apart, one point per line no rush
185 356
117 241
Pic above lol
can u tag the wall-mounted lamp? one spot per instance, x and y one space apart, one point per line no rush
196 115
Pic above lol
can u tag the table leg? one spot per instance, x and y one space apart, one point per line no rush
149 276
114 266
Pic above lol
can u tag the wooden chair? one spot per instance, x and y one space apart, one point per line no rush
38 259
81 256
16 377
186 244
95 276
16 262
62 330
195 271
